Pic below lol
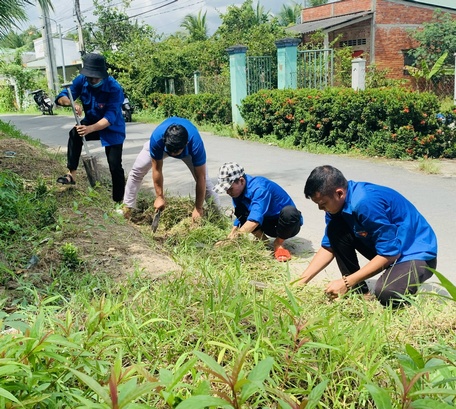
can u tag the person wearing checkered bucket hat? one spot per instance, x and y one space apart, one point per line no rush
261 207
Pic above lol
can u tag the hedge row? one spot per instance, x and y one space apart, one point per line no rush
392 122
198 108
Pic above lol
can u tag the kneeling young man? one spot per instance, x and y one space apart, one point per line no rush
379 223
261 207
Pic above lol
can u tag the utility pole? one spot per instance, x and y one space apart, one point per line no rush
49 52
63 55
77 10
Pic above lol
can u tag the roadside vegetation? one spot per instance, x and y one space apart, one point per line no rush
99 312
82 326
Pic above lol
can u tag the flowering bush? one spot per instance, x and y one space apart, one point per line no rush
391 122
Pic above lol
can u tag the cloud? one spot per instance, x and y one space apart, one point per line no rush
165 20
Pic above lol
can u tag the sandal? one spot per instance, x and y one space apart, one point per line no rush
66 180
282 254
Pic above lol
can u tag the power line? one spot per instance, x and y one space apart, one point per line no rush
156 8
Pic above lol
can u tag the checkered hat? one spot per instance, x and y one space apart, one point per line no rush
228 173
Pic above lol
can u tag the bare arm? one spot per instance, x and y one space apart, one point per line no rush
157 178
320 261
373 267
200 193
83 130
247 227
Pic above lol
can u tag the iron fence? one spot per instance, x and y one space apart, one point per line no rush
259 74
315 68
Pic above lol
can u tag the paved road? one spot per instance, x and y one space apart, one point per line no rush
434 196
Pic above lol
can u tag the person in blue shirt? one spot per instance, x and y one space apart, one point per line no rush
380 224
261 207
101 97
177 138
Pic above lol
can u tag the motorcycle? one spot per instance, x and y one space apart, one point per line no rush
127 109
43 101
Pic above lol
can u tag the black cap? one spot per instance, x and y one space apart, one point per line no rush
94 66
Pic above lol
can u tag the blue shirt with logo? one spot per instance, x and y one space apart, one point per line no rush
263 198
194 147
387 222
102 102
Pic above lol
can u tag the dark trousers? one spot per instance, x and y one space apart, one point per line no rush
113 154
286 225
397 280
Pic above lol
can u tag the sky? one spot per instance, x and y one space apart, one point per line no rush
166 18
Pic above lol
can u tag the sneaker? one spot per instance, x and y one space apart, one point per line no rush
124 211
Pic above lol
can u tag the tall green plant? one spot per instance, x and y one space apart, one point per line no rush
425 73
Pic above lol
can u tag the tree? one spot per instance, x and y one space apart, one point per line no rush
113 28
23 40
13 11
196 26
315 3
288 15
238 24
435 38
23 78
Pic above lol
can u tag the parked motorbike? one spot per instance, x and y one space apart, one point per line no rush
448 119
127 109
43 101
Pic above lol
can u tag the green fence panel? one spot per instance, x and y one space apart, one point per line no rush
259 73
315 68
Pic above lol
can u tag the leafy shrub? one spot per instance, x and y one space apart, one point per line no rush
7 100
392 122
196 107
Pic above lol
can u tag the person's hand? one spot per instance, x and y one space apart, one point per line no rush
83 130
159 203
78 109
299 282
197 214
335 289
221 243
233 234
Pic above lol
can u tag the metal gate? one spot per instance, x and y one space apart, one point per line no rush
259 75
315 68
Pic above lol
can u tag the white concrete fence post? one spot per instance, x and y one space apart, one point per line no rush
359 74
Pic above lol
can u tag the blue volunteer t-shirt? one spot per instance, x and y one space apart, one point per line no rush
102 102
263 198
194 147
387 222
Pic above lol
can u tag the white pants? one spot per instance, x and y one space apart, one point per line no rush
142 166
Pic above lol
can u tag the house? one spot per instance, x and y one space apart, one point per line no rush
378 30
66 54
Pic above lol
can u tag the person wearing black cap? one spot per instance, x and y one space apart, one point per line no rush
101 97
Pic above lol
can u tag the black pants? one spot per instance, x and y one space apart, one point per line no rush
397 280
113 154
286 225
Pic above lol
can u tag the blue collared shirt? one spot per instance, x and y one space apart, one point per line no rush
387 222
102 102
194 147
263 198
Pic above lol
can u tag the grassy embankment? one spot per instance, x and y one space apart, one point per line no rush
89 336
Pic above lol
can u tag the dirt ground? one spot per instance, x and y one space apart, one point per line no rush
106 242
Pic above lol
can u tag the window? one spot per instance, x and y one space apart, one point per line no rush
351 43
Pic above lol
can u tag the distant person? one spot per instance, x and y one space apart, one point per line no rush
261 207
176 138
379 223
102 98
